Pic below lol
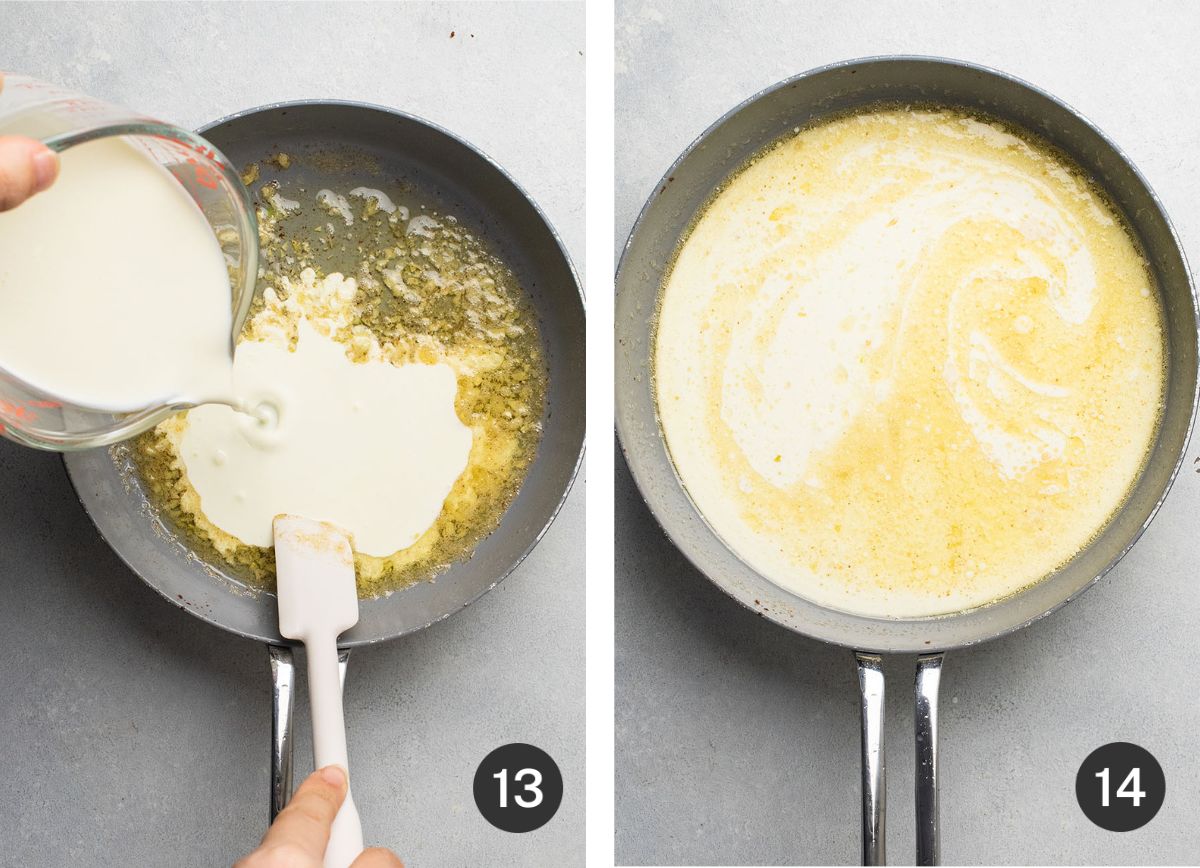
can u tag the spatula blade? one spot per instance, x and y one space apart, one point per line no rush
314 565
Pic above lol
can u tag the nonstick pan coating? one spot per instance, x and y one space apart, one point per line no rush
724 148
374 140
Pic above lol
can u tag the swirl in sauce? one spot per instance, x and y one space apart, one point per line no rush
908 363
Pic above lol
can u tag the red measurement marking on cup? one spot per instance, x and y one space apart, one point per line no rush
194 148
16 411
24 412
205 174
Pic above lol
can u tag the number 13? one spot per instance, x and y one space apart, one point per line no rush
534 786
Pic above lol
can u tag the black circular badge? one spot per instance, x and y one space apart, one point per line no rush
1120 786
518 788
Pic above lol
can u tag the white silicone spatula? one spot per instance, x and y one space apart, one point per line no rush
318 601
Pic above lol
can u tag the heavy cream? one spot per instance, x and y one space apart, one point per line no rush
371 446
114 291
908 363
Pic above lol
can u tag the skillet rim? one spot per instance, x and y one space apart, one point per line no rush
69 459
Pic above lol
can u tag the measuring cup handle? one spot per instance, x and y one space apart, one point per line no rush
874 782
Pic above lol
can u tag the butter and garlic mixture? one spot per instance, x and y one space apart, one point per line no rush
908 362
418 293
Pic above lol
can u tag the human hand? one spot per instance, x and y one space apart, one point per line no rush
299 834
26 167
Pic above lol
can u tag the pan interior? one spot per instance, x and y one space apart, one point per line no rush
341 146
428 289
732 142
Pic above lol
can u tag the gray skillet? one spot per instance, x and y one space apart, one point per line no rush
709 161
365 145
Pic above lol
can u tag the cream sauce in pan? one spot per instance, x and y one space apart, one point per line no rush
369 446
908 363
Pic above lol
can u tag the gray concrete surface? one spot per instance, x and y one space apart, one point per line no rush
737 742
134 735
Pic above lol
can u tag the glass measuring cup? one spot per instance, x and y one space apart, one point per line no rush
62 118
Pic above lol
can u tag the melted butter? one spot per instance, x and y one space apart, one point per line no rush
908 363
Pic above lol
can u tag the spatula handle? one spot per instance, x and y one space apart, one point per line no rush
329 743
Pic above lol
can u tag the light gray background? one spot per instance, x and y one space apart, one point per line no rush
737 741
136 735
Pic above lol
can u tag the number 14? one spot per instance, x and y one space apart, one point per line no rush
1131 787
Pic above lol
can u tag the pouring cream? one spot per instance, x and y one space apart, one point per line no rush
371 446
97 320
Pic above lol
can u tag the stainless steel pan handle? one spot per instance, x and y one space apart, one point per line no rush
871 687
283 677
874 783
929 676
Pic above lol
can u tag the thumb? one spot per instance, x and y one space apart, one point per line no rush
26 167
